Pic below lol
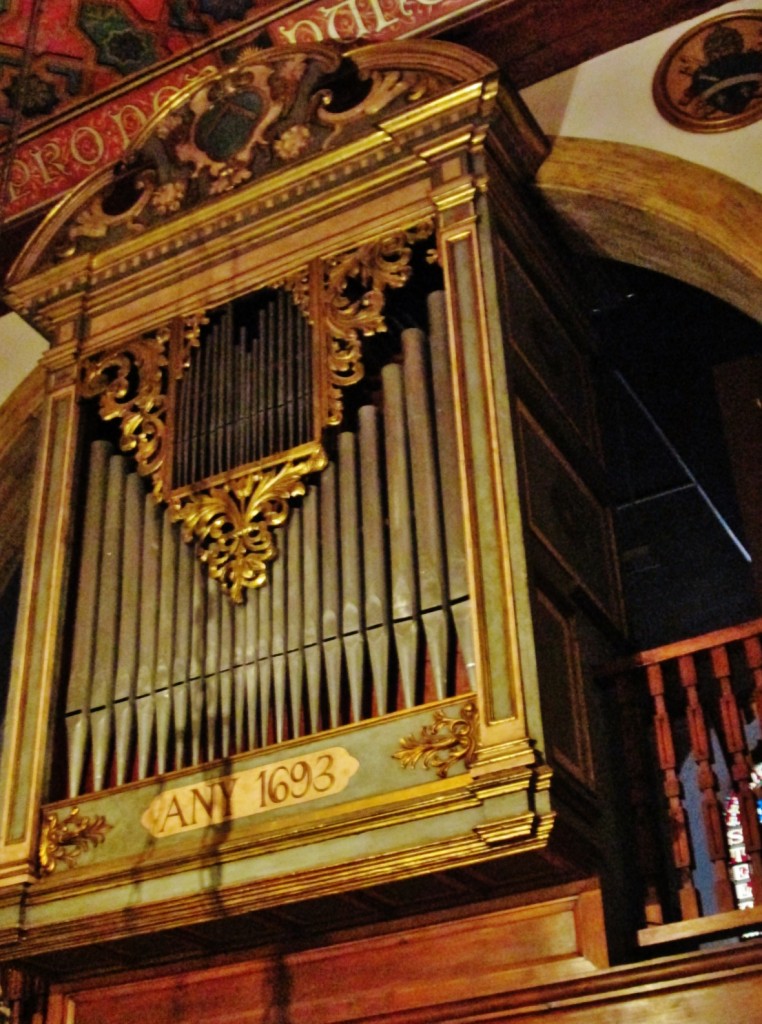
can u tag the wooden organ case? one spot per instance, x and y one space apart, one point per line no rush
276 631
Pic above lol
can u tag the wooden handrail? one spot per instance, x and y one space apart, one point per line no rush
680 648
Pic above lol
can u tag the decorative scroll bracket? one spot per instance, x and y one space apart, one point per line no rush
142 409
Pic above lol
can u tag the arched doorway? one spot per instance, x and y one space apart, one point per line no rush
655 211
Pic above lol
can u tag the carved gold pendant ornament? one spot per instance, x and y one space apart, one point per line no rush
231 524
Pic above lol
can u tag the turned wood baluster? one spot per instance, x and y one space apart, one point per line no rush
665 747
639 793
23 995
735 742
753 650
711 811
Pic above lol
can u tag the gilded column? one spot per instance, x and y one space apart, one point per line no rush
27 750
506 674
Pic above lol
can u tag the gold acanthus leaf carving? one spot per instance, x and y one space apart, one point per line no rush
92 221
64 840
353 303
130 384
231 523
443 743
192 325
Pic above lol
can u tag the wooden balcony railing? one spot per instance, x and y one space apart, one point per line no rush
690 729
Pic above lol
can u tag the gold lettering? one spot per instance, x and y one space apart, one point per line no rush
291 35
355 29
163 96
174 810
48 158
129 119
381 19
78 139
18 179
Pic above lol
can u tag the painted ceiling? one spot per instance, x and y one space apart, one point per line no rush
80 78
70 51
85 47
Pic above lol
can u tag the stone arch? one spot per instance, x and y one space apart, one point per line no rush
660 212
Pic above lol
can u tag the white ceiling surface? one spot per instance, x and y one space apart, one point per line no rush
610 98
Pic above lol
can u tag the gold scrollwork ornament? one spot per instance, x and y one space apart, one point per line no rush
64 840
192 325
443 743
130 384
369 270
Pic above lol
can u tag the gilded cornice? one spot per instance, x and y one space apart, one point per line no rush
272 118
527 839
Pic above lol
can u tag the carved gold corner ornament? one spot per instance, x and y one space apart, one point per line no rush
444 743
373 267
63 841
131 384
231 523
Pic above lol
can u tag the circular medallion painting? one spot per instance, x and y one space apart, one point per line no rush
710 80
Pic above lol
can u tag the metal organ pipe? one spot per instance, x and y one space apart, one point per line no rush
449 470
426 507
78 693
166 673
404 591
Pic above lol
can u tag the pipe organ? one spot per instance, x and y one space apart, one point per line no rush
291 621
361 612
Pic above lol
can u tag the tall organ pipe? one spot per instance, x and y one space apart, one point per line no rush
78 693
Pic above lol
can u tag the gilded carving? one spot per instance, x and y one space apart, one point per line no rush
131 387
230 126
299 286
64 840
192 325
443 743
353 305
231 523
387 85
94 223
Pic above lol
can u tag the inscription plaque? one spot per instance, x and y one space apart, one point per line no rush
285 783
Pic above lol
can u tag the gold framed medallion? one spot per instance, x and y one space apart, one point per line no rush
710 80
